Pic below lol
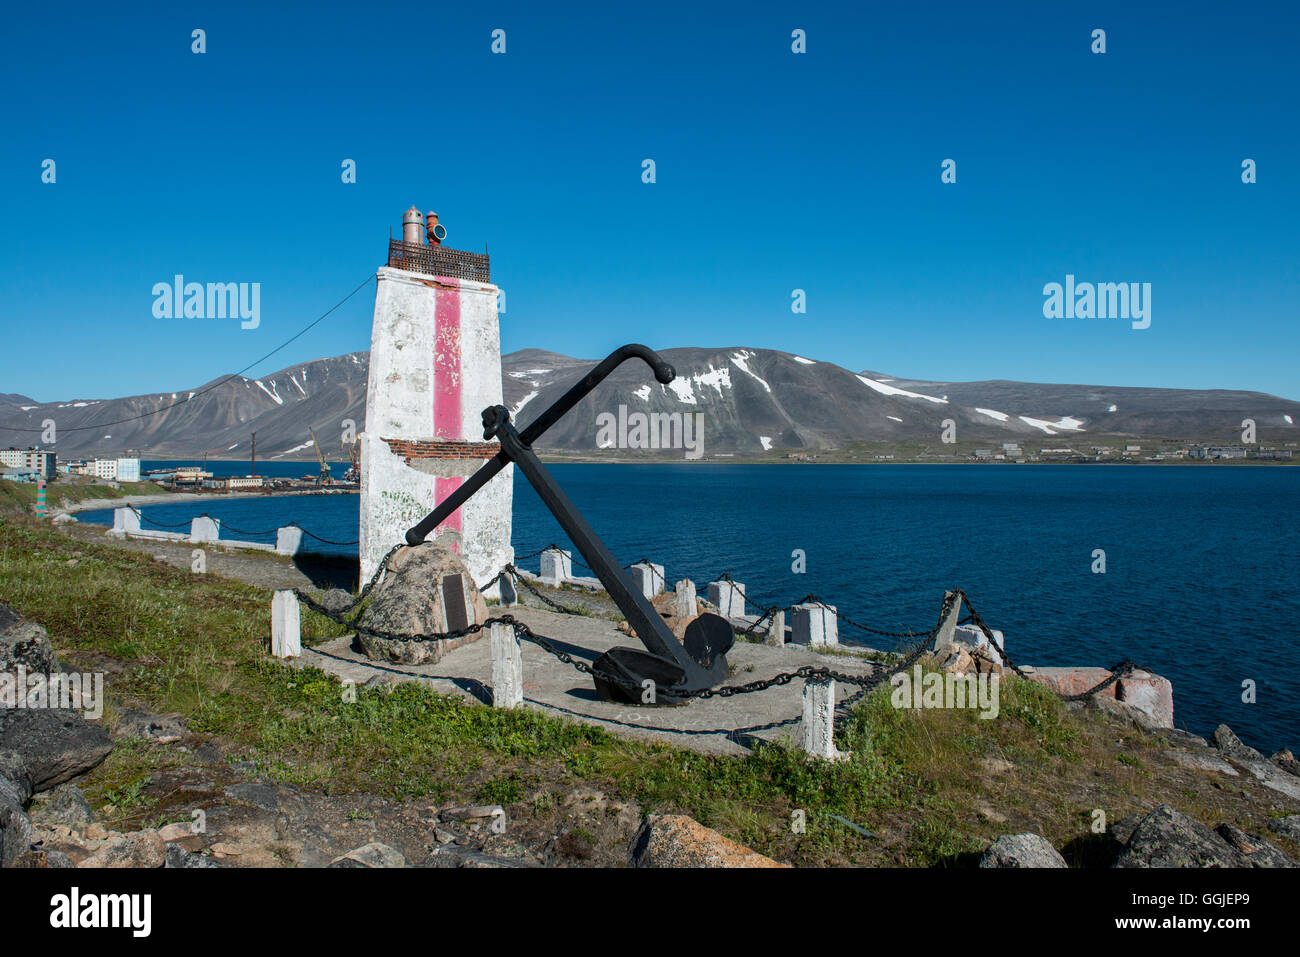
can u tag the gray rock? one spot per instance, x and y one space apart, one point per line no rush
15 832
15 782
177 856
1183 739
55 745
64 804
1288 827
43 858
258 795
373 854
1232 746
1259 851
337 600
161 729
25 643
409 601
1273 777
1285 760
1021 850
137 849
1202 762
1168 838
1123 829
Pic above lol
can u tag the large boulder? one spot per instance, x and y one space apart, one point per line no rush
137 849
1167 838
15 832
1231 745
373 855
55 745
25 643
426 590
675 840
1021 850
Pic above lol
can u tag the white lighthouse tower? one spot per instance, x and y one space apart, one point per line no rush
435 365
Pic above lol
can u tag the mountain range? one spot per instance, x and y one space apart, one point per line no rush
753 400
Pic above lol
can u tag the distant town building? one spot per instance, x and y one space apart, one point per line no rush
232 483
34 460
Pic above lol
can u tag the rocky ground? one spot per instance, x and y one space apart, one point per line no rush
138 788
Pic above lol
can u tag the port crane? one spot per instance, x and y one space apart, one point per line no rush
324 477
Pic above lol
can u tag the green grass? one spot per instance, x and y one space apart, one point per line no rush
22 495
198 645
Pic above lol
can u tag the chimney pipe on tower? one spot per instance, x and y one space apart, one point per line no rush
435 233
411 226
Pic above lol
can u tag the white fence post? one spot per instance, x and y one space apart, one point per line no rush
557 566
819 720
684 605
125 521
948 627
205 528
288 540
286 636
729 598
507 667
776 630
649 577
815 624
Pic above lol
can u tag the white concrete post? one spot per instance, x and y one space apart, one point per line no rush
288 540
972 635
507 592
507 667
649 577
684 605
819 720
815 625
125 520
557 566
286 637
728 597
205 528
776 630
948 628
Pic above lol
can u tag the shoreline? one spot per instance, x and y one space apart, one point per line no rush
167 498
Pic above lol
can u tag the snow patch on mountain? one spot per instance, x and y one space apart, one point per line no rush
276 398
1065 424
642 393
767 442
894 390
993 414
523 402
807 362
739 360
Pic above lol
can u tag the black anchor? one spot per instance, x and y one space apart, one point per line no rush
676 668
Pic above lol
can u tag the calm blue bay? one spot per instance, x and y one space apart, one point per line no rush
1201 562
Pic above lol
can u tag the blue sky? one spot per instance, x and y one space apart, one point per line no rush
775 171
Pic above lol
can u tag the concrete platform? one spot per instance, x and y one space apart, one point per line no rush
716 725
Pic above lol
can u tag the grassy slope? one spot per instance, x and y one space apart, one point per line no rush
22 495
920 781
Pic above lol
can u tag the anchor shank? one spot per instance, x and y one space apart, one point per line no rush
640 614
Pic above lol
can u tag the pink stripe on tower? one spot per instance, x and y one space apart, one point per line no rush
443 487
447 420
